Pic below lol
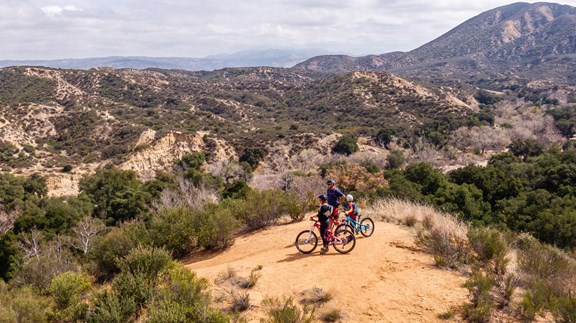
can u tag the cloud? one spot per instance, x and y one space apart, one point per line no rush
52 11
46 29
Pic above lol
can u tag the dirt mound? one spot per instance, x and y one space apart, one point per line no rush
386 278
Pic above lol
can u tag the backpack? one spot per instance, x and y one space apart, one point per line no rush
328 213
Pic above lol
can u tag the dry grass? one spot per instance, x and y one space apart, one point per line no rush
440 233
316 296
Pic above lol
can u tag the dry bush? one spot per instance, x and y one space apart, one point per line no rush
7 219
316 296
553 267
398 210
354 177
240 301
379 160
287 311
333 315
189 195
307 161
231 277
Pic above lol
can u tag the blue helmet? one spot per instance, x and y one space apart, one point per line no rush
331 181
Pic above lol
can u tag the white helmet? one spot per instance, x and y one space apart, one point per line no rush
349 198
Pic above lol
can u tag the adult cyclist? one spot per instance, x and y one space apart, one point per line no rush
334 197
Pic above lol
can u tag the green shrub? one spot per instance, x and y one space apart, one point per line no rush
263 208
479 287
535 299
23 305
395 159
490 247
135 285
565 309
237 190
182 297
214 227
174 229
146 261
107 249
108 307
67 289
287 311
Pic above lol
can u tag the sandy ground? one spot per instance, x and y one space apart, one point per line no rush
384 279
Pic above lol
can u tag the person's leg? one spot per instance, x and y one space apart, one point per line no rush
323 227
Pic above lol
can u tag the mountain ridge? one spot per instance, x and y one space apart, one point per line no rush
247 58
534 41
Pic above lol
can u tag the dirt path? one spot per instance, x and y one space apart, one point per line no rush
384 279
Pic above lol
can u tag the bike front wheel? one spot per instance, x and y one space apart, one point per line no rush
344 241
306 241
366 227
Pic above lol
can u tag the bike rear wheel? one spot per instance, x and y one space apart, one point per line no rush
366 227
306 241
344 241
344 226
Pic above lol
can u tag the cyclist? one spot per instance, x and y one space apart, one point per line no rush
334 197
353 212
324 213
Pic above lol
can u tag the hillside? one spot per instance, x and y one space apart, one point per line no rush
384 279
144 120
532 41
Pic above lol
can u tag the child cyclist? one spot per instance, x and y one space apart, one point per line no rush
353 208
324 213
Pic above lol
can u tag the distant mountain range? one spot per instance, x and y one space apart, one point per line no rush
249 58
533 41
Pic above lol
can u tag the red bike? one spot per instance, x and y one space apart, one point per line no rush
343 241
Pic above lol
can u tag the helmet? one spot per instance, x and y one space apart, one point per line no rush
349 198
322 197
331 181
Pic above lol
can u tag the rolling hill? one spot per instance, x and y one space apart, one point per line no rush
52 117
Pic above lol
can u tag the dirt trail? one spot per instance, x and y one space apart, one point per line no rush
384 279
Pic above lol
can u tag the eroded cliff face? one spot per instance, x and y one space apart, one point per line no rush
163 153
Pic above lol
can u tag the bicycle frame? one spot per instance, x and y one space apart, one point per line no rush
329 235
356 225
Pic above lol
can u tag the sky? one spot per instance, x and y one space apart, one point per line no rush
57 29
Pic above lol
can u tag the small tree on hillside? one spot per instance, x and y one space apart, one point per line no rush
346 145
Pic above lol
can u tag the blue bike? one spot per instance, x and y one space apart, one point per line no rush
364 226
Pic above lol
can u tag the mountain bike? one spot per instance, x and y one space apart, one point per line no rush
343 240
364 226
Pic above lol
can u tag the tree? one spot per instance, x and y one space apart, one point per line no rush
85 231
346 145
118 194
384 137
253 156
526 148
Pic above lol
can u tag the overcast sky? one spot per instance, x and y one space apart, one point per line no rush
51 29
